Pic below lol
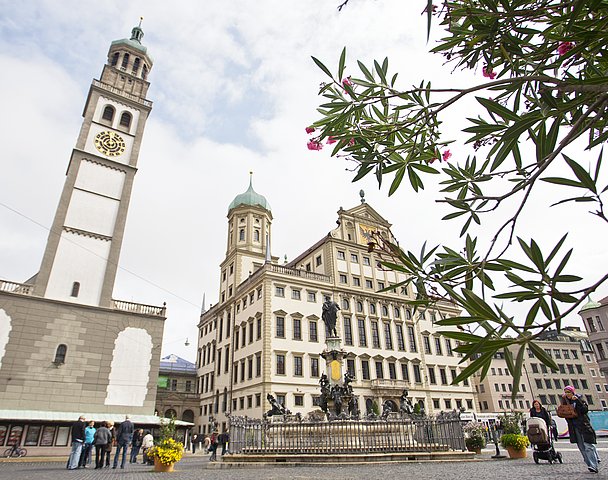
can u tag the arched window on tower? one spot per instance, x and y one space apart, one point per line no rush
60 354
136 66
256 235
125 60
242 235
75 289
108 114
144 72
125 120
114 59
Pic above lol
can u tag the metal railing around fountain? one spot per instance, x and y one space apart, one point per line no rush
289 435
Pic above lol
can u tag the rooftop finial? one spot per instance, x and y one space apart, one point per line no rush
137 33
362 195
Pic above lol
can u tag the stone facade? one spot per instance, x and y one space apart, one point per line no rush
34 378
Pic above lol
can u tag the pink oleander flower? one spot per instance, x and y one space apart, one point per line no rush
331 140
351 142
565 47
347 81
314 145
446 155
310 129
487 72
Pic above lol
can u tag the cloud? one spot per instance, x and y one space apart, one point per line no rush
233 87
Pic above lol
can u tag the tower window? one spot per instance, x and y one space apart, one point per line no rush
108 113
144 72
256 235
242 235
125 120
75 289
125 60
114 59
136 66
60 354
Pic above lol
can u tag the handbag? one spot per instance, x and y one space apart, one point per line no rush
566 410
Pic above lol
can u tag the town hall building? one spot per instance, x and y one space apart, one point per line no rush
265 335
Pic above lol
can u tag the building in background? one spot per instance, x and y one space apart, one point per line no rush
571 350
67 348
265 335
595 319
176 394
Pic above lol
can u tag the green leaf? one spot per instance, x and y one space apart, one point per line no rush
322 67
495 107
366 72
429 17
542 356
581 174
397 180
562 181
341 64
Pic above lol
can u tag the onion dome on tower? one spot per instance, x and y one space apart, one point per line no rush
250 198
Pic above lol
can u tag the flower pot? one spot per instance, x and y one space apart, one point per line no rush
513 453
477 450
161 467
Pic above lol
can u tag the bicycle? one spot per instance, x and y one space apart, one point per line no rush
15 451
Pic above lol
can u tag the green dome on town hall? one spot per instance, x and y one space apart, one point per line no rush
250 197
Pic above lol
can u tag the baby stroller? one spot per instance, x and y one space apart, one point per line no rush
541 441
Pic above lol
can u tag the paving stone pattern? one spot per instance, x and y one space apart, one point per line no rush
197 467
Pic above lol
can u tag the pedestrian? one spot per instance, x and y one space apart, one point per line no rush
579 428
78 428
539 411
213 446
193 442
124 437
136 444
110 444
147 443
100 440
223 440
89 434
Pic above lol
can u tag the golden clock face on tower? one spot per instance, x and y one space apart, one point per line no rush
110 144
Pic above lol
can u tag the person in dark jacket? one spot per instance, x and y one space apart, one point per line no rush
539 411
580 430
138 436
124 437
77 442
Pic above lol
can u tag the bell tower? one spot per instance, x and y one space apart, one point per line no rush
248 242
83 248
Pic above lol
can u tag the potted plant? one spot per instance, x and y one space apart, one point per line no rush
167 452
512 439
475 438
516 444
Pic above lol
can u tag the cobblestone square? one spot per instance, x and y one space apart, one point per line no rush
197 467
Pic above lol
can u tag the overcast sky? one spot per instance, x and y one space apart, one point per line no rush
233 87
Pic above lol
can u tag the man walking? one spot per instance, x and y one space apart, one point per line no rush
579 428
77 442
124 436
